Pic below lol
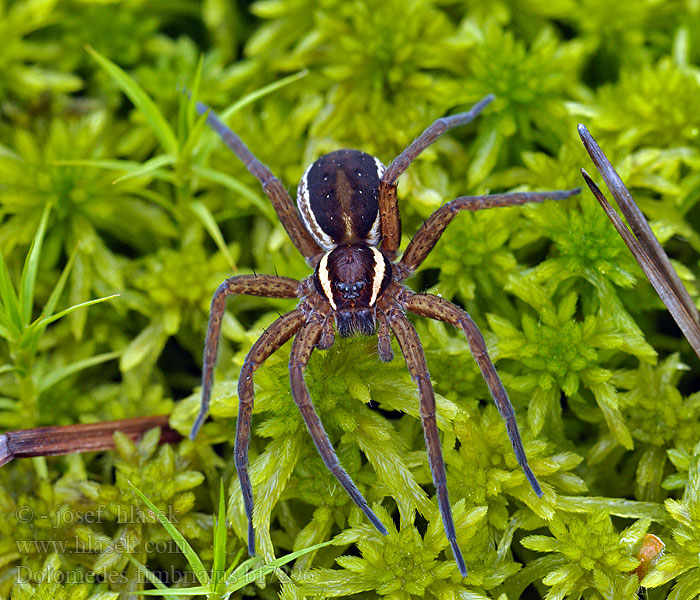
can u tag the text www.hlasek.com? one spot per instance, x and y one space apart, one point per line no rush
80 545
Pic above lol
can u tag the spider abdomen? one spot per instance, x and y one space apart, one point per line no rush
338 199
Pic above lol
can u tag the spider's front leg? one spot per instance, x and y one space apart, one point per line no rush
254 285
427 305
273 188
431 230
302 347
386 354
388 204
415 361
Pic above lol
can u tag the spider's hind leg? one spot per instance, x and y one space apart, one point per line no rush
415 361
301 351
388 204
437 308
268 343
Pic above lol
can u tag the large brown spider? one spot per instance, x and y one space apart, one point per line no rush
348 228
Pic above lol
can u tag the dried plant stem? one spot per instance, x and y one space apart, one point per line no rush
69 439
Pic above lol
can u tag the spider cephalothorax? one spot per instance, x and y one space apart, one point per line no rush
351 278
348 227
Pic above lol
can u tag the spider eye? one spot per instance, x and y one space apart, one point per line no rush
350 290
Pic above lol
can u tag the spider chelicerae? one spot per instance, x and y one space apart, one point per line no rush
348 229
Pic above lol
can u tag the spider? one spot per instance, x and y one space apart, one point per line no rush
348 229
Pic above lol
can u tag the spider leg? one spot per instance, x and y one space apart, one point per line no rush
415 361
388 205
435 307
386 354
280 198
302 347
431 230
254 285
268 343
327 338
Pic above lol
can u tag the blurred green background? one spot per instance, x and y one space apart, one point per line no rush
109 184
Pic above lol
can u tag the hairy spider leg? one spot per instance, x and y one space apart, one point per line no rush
276 192
302 347
418 368
423 242
388 204
386 354
269 342
434 307
269 286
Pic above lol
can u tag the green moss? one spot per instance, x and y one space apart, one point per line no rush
594 559
139 198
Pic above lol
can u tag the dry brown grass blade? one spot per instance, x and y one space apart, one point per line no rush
643 244
69 439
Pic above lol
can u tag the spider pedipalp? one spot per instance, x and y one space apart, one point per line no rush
348 228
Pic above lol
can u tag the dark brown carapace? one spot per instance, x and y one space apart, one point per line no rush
338 200
348 228
351 278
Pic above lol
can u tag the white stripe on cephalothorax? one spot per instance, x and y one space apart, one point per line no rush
324 278
379 271
307 215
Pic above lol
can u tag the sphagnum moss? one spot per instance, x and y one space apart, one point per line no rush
574 323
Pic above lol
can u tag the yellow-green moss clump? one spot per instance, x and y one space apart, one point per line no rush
110 185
